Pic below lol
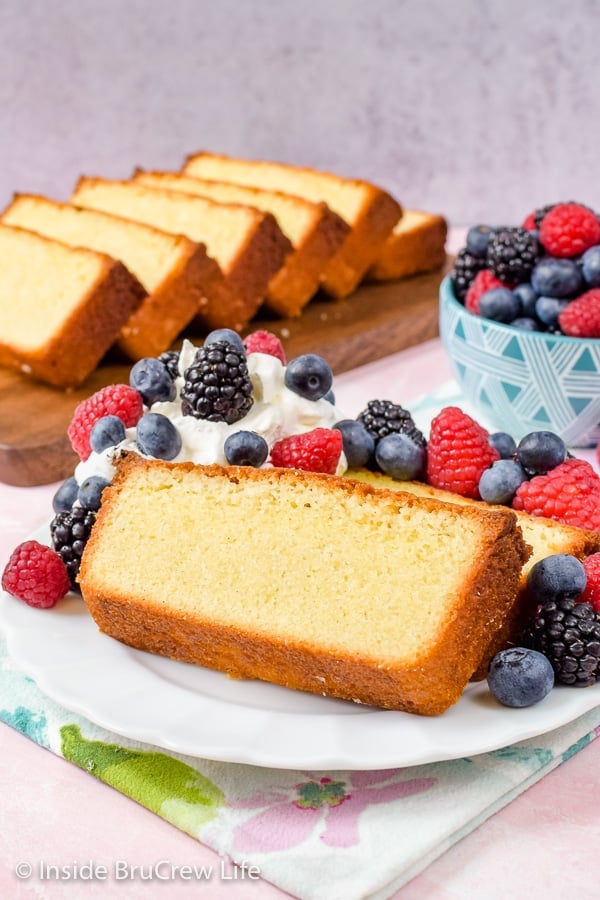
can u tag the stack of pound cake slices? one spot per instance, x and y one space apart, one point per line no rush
177 273
369 211
369 595
315 232
209 245
61 307
247 244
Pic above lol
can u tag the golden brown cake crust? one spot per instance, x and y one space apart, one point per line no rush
561 539
263 256
299 277
298 280
420 248
184 294
370 226
429 685
367 236
92 328
235 297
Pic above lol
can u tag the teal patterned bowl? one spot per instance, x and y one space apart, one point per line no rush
521 381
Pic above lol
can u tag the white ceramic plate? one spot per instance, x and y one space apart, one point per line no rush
202 713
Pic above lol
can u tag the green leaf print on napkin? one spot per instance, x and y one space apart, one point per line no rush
164 785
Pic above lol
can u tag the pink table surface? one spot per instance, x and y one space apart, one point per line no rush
544 844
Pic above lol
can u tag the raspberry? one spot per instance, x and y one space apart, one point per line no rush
484 281
581 318
569 493
458 453
318 450
568 229
529 223
591 594
113 400
265 342
36 574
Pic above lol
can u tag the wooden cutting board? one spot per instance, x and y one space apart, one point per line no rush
378 319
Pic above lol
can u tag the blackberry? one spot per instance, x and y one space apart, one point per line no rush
539 214
512 254
69 532
170 360
466 267
217 386
382 417
568 633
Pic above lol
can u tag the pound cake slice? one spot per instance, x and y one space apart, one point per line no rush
248 245
370 211
417 244
61 307
373 596
178 275
315 232
545 537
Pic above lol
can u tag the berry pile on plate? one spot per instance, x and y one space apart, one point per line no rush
543 275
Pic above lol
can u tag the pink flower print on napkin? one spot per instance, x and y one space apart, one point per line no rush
288 816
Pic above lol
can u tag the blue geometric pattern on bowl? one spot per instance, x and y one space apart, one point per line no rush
523 381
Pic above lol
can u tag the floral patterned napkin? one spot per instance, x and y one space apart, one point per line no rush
316 835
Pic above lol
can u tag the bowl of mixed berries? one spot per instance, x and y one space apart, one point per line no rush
520 321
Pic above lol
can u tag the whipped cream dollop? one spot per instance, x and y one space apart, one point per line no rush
276 412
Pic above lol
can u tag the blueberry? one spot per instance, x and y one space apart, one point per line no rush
330 397
90 492
557 278
520 677
499 304
309 376
499 483
151 378
478 238
556 577
245 448
504 443
65 496
590 266
527 296
526 324
548 309
358 444
108 431
158 437
540 451
225 334
399 456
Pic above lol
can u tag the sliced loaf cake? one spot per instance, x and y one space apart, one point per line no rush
417 244
61 307
316 233
177 273
545 537
310 581
247 244
370 211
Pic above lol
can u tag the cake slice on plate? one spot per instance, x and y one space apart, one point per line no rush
310 581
